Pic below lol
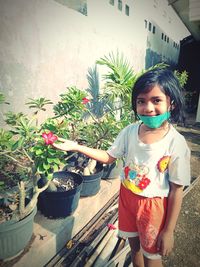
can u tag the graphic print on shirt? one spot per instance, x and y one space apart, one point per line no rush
135 177
163 163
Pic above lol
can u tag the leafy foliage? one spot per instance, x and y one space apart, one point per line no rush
182 77
3 99
39 104
120 77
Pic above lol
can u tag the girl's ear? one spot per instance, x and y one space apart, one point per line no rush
172 106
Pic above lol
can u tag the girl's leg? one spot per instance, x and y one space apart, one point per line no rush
136 254
152 263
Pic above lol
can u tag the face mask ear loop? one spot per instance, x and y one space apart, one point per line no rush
169 119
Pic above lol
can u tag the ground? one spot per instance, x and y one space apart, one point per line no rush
186 252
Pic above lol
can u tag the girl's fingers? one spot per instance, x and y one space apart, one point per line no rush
61 139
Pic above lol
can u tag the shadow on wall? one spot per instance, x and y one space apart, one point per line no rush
152 58
78 5
15 85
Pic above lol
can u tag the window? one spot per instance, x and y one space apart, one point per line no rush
120 5
154 29
165 38
168 39
162 36
149 26
145 23
112 2
127 10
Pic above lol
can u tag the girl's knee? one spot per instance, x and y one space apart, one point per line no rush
152 262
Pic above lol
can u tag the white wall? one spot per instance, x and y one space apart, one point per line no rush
46 46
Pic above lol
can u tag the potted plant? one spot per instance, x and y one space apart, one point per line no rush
91 120
26 154
72 109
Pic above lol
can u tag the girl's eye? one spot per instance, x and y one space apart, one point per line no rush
139 102
156 101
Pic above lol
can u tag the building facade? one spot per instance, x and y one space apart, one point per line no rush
49 45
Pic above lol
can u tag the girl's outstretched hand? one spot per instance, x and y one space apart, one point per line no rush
65 145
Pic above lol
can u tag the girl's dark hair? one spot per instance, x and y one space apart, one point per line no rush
168 83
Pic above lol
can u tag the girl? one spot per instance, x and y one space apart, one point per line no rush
157 167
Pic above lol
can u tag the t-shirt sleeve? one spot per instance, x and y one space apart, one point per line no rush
179 165
117 149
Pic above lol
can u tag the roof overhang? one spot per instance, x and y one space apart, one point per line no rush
189 12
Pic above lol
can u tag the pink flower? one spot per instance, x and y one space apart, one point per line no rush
144 183
111 226
85 101
49 138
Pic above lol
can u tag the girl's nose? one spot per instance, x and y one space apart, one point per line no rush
149 107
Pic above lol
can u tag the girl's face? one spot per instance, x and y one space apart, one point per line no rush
152 103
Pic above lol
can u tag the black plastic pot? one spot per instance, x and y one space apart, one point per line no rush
113 170
64 203
72 158
92 183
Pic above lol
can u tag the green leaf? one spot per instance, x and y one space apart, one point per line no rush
55 168
46 166
40 168
38 152
50 176
17 144
50 160
53 160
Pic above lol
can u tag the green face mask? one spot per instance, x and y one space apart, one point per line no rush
154 121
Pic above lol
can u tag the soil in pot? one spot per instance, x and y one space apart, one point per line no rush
91 182
63 200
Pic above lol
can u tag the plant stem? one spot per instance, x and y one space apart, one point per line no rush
25 152
22 196
17 162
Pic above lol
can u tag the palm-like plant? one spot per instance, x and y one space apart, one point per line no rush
96 105
119 79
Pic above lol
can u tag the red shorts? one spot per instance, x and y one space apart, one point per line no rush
141 216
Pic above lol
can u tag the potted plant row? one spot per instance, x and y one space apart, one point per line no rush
26 155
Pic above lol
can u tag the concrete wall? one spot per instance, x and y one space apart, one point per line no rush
46 46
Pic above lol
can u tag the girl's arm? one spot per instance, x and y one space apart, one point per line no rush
166 238
97 154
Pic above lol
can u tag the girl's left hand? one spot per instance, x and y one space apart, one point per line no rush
165 242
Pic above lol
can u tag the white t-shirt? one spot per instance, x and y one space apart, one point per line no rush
149 167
